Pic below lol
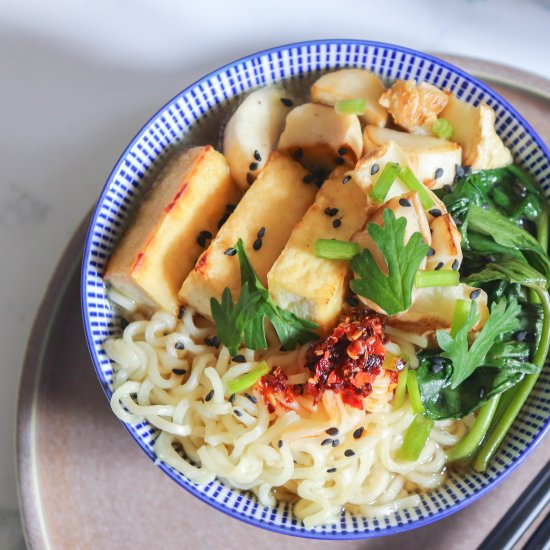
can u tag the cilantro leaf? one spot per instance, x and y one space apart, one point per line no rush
392 292
503 318
245 320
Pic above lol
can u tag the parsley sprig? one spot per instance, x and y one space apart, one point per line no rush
466 359
392 292
245 320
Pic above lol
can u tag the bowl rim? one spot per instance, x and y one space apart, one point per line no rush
291 530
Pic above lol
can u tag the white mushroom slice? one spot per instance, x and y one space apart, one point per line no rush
352 84
447 253
413 106
370 167
433 308
432 160
252 132
474 129
406 206
320 138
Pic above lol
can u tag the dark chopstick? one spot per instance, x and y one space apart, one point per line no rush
540 539
521 515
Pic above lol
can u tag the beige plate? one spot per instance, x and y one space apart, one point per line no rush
84 483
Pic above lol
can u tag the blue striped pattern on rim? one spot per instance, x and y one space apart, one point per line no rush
167 127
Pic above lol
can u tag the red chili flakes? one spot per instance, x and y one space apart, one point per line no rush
275 389
348 360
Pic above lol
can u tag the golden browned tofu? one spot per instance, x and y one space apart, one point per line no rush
181 213
275 202
312 287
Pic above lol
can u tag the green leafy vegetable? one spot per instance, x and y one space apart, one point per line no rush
392 292
415 438
244 321
503 318
249 379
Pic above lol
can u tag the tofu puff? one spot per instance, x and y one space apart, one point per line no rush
312 287
272 206
160 248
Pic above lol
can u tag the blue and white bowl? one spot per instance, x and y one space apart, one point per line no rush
168 127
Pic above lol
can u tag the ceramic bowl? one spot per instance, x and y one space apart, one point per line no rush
168 128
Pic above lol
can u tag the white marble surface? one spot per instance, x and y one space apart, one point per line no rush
78 79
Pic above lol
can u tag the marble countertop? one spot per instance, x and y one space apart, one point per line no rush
78 79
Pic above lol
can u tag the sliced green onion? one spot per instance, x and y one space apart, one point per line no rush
411 182
249 379
414 393
471 441
332 249
443 277
415 438
443 129
350 106
399 396
385 181
460 314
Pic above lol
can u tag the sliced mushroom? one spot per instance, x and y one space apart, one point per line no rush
446 238
432 160
320 138
414 106
352 84
474 130
252 132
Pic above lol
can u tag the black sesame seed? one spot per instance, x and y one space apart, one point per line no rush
437 359
180 345
459 171
331 211
343 151
436 367
251 398
332 431
374 169
339 161
308 178
232 398
455 265
238 412
430 252
358 432
253 166
346 179
280 443
331 470
457 221
435 212
206 234
257 244
261 232
336 223
213 342
521 335
181 312
481 392
133 395
349 452
405 202
257 155
335 442
485 206
239 359
124 323
230 251
327 441
438 173
249 178
475 293
298 154
439 266
201 239
447 188
467 170
179 371
209 395
352 301
287 102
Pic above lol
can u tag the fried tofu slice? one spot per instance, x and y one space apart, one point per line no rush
182 210
252 133
352 84
474 129
272 206
432 160
321 139
446 249
311 287
413 106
